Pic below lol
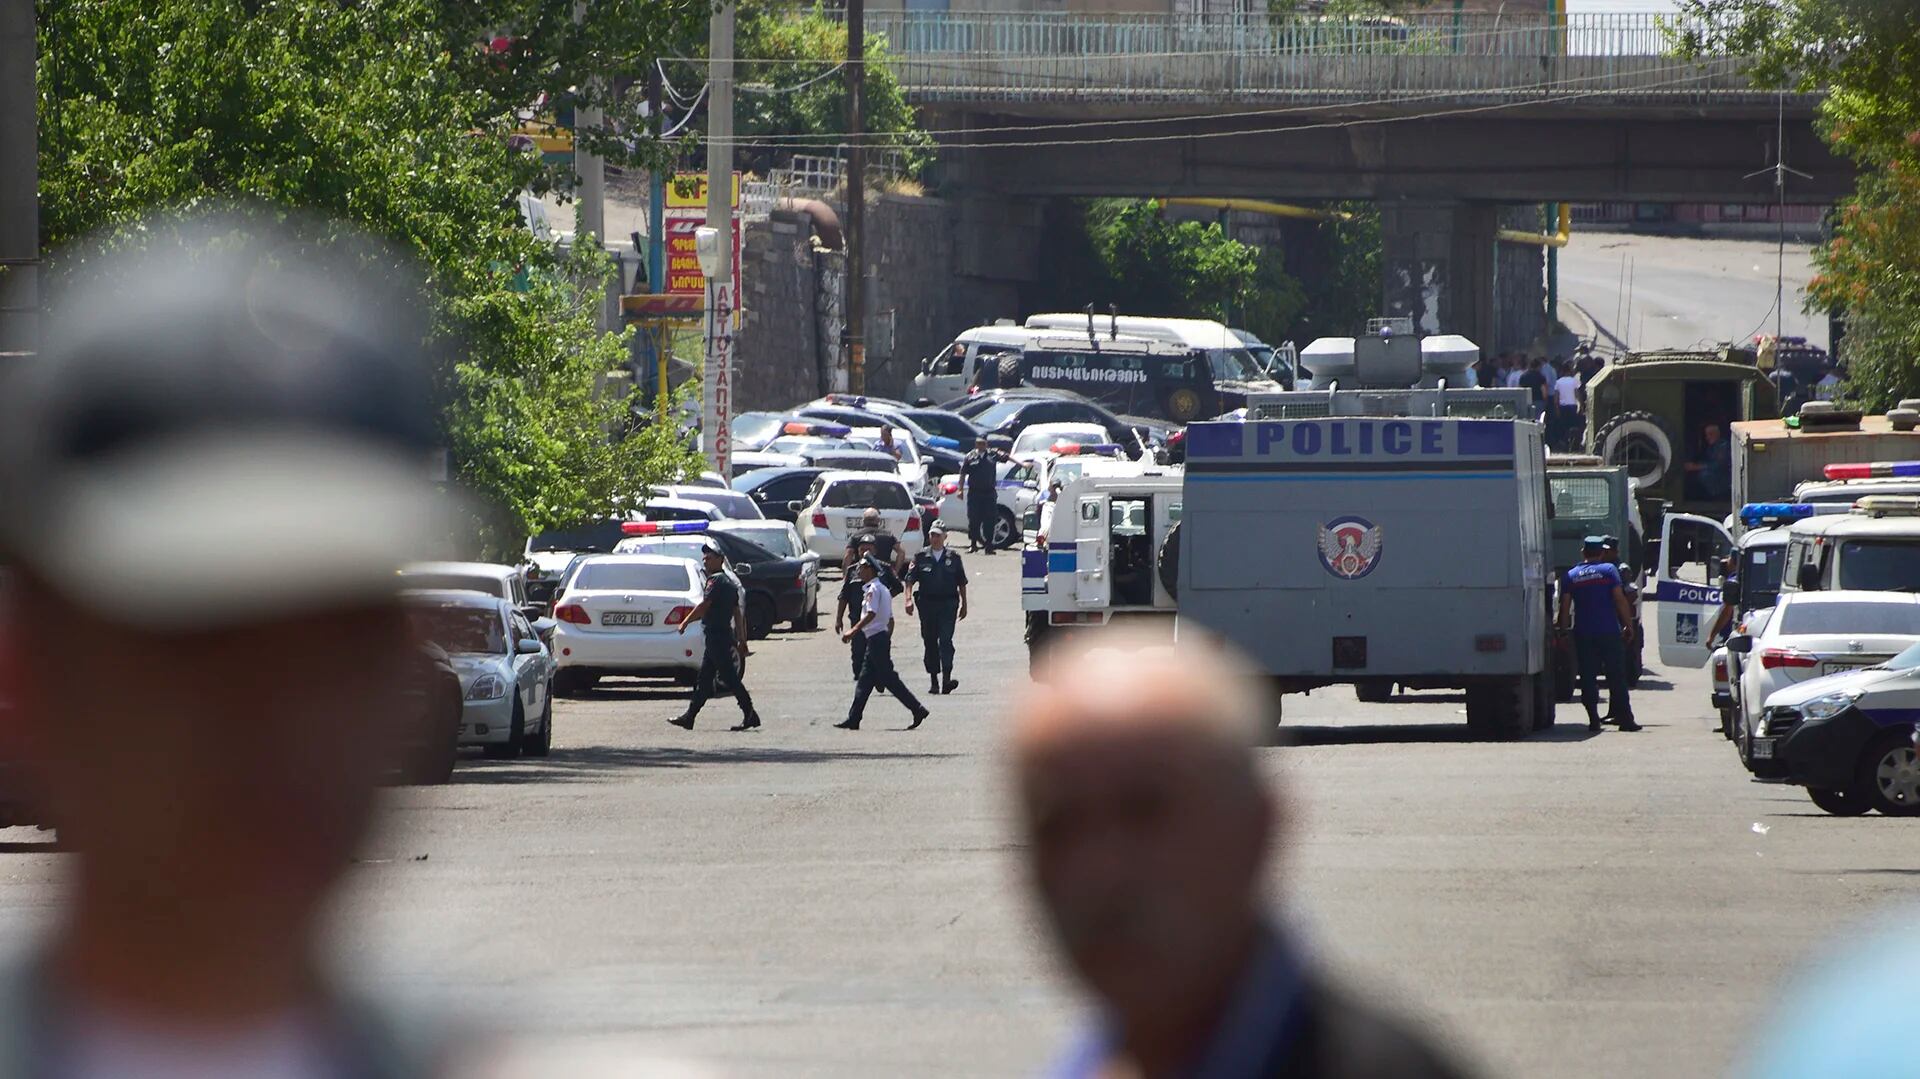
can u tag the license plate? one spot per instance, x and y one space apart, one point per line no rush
627 618
1762 749
1832 667
853 524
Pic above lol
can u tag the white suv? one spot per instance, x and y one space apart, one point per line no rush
832 511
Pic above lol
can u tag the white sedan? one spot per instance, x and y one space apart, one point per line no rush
832 512
1043 437
1813 634
620 614
506 673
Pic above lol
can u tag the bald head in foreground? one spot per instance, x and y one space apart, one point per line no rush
1150 828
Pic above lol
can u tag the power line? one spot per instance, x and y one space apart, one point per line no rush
912 141
1224 114
797 87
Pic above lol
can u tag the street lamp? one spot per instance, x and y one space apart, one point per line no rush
713 251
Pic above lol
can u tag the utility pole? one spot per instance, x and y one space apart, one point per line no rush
856 197
19 183
717 378
592 171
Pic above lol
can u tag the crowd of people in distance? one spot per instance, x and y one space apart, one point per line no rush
1557 390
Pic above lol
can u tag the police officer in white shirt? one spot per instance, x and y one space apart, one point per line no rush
876 668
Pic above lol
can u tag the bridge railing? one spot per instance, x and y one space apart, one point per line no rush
951 55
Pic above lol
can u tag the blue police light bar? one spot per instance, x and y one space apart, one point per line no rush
1874 470
1757 514
661 528
818 430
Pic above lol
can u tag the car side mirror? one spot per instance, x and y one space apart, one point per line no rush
741 569
1740 646
527 647
1809 577
1031 485
543 627
794 507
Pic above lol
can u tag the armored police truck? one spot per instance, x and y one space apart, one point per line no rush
1106 554
1378 535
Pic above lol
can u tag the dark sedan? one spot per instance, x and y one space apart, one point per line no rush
1005 419
773 488
778 589
945 424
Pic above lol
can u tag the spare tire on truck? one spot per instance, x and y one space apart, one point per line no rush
1639 442
1009 368
1169 559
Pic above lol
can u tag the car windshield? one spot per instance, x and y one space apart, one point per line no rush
751 427
636 576
807 444
861 494
470 631
993 416
1880 565
1760 573
458 582
1582 498
731 503
1801 619
596 538
1034 441
862 462
1234 365
777 541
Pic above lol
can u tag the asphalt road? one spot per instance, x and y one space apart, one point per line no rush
1648 292
808 901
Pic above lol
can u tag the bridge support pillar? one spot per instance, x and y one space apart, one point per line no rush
1438 266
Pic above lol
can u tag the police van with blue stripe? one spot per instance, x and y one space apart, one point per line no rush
1106 554
1401 532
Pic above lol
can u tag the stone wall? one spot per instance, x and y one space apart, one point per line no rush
918 295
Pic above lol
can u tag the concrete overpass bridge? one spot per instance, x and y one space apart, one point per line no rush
1440 118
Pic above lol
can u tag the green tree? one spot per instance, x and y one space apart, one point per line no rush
364 114
796 88
1866 54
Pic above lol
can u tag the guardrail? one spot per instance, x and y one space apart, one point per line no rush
942 56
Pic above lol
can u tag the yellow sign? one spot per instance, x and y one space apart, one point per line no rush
688 191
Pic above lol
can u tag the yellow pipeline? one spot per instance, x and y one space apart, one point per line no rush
1257 206
1558 239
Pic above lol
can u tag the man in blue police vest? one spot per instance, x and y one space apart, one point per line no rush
1593 604
723 621
939 584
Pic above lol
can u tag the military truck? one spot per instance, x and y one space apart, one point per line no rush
1647 412
1377 536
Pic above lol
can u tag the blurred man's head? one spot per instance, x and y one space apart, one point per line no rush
870 517
211 472
1149 824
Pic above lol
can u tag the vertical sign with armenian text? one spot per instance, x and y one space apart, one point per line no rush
686 211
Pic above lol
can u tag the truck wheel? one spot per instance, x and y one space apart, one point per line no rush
1501 710
1544 695
1838 803
1889 775
1639 442
1170 562
1038 634
1009 370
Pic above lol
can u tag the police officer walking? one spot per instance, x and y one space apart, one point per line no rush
939 584
1593 603
876 667
852 590
979 482
723 621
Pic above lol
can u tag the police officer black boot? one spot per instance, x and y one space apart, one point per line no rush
934 685
947 682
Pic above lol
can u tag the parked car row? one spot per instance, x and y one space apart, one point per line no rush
1818 682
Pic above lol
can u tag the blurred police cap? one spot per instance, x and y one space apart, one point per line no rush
231 424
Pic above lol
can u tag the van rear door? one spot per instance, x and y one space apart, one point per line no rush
1093 585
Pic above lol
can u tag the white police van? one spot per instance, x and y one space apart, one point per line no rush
1108 553
1402 538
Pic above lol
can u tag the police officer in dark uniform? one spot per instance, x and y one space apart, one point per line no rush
723 621
980 479
939 585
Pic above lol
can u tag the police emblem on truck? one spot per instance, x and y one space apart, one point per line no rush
1350 547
